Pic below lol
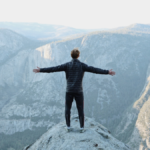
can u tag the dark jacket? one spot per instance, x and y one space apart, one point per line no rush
74 73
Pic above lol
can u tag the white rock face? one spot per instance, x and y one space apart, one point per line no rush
96 137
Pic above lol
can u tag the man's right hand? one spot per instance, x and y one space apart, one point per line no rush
111 72
36 70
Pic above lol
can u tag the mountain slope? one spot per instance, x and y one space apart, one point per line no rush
137 119
12 45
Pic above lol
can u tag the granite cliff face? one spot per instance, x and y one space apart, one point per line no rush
121 102
12 49
96 137
136 120
10 44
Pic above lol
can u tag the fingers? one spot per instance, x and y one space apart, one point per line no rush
36 70
112 72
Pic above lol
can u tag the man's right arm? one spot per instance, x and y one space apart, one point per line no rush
54 69
94 69
58 68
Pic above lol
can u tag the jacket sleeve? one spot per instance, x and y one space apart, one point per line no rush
93 69
54 69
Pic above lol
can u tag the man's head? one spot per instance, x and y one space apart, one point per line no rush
75 53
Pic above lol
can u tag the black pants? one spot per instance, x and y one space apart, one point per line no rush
79 98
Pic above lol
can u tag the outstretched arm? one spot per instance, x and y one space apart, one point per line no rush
94 69
97 70
51 69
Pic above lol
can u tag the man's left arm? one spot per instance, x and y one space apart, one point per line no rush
97 70
94 69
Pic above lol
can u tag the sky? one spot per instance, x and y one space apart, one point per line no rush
81 14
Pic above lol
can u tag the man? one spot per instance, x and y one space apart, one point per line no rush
74 75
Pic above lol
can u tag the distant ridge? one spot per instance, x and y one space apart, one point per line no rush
36 31
137 28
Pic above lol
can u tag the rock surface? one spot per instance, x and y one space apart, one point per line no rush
96 137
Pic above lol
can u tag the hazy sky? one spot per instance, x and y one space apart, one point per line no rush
85 14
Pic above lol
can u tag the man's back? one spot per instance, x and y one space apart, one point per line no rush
74 73
74 76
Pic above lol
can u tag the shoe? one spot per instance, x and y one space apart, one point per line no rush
69 129
82 130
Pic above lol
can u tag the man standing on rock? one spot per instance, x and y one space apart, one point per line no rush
74 75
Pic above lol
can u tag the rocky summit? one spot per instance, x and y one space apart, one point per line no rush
95 137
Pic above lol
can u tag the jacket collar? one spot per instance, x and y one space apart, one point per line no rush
74 59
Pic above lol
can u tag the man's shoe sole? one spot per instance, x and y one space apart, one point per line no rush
83 130
68 130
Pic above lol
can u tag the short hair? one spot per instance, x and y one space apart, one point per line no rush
75 53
